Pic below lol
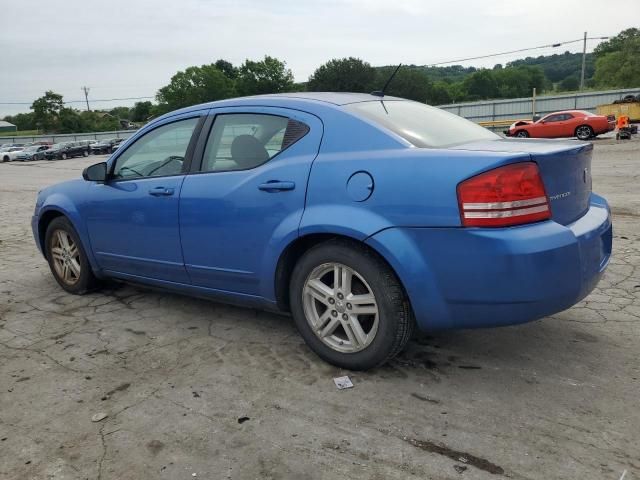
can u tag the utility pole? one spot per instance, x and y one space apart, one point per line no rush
584 60
86 90
533 105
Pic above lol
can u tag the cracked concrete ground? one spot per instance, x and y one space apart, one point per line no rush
194 387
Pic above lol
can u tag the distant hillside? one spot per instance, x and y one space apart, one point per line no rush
560 67
455 83
561 71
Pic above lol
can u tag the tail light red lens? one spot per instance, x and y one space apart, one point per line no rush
506 196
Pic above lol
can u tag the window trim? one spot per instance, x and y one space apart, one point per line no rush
205 134
188 157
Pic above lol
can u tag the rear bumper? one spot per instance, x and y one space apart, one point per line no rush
479 277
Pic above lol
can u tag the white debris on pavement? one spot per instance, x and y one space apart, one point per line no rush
343 382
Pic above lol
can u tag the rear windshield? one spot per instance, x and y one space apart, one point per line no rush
420 124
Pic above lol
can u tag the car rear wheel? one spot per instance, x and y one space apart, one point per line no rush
67 259
584 132
522 134
349 306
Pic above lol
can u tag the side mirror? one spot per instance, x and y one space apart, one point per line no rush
536 118
95 173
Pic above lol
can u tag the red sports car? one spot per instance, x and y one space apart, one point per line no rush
570 123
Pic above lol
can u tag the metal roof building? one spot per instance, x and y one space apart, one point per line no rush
7 127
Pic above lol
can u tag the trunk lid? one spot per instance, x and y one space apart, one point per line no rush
565 167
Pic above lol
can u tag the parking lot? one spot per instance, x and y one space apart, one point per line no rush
195 389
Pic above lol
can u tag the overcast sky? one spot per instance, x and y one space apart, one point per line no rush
130 48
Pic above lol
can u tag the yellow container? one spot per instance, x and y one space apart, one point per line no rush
632 110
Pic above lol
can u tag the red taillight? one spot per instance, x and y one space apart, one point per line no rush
509 195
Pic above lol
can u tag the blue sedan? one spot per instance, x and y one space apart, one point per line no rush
363 216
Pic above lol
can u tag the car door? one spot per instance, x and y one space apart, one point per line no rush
246 201
132 218
550 126
568 125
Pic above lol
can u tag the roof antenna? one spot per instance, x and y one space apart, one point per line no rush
380 93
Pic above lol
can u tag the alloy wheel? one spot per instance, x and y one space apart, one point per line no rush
340 307
583 132
65 255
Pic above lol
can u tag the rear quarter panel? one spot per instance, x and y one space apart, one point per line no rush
411 187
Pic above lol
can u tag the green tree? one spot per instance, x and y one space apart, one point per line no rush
266 76
141 111
46 110
616 44
227 68
440 94
121 112
570 83
481 85
98 121
195 85
343 75
514 82
411 83
23 121
619 69
70 121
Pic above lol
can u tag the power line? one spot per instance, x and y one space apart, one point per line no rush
551 45
83 101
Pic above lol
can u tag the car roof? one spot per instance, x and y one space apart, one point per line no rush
336 98
579 112
291 99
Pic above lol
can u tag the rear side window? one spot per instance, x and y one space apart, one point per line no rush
421 125
246 140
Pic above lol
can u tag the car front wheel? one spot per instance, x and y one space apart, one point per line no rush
349 305
85 153
584 132
63 156
522 134
67 259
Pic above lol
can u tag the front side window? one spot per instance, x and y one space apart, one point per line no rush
158 153
246 140
420 124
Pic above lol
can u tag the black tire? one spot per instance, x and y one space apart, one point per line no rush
85 153
63 156
86 281
395 319
5 159
521 134
584 132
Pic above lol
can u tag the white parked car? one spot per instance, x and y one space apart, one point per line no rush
11 153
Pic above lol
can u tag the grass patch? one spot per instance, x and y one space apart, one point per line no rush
20 133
